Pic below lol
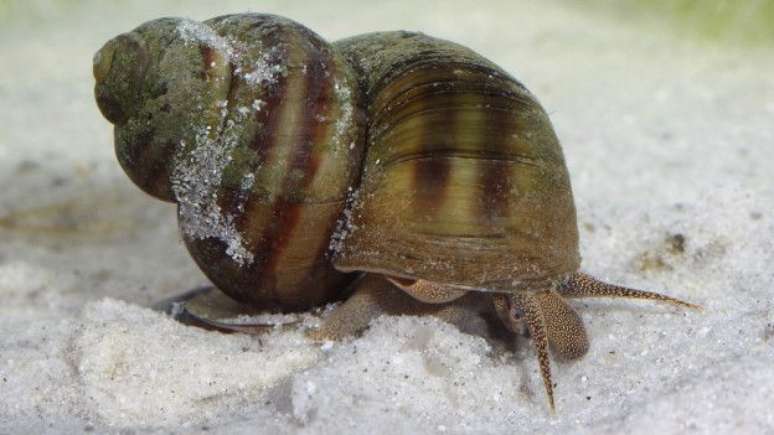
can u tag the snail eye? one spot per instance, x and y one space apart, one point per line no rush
517 313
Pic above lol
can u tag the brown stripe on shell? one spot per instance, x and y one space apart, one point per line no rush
431 175
257 223
441 80
443 64
208 57
265 138
463 120
276 236
419 60
461 90
288 203
252 222
496 180
496 175
232 199
305 161
320 85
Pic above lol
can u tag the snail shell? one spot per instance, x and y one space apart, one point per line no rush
464 182
294 161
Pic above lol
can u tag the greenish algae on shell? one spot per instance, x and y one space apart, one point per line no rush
293 161
265 144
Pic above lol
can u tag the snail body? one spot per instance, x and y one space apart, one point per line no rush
299 166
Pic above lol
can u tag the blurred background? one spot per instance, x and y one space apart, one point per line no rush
665 110
746 22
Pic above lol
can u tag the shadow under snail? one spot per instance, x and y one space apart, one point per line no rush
378 166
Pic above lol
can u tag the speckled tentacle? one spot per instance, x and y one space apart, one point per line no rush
581 285
527 306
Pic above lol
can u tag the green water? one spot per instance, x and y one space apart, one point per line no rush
741 22
747 22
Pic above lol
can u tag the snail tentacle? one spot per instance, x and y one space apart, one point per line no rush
581 285
526 307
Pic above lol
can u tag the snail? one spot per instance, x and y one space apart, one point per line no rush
394 170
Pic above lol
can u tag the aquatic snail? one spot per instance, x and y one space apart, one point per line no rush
371 168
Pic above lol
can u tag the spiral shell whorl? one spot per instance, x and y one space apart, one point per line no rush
154 85
288 152
262 163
